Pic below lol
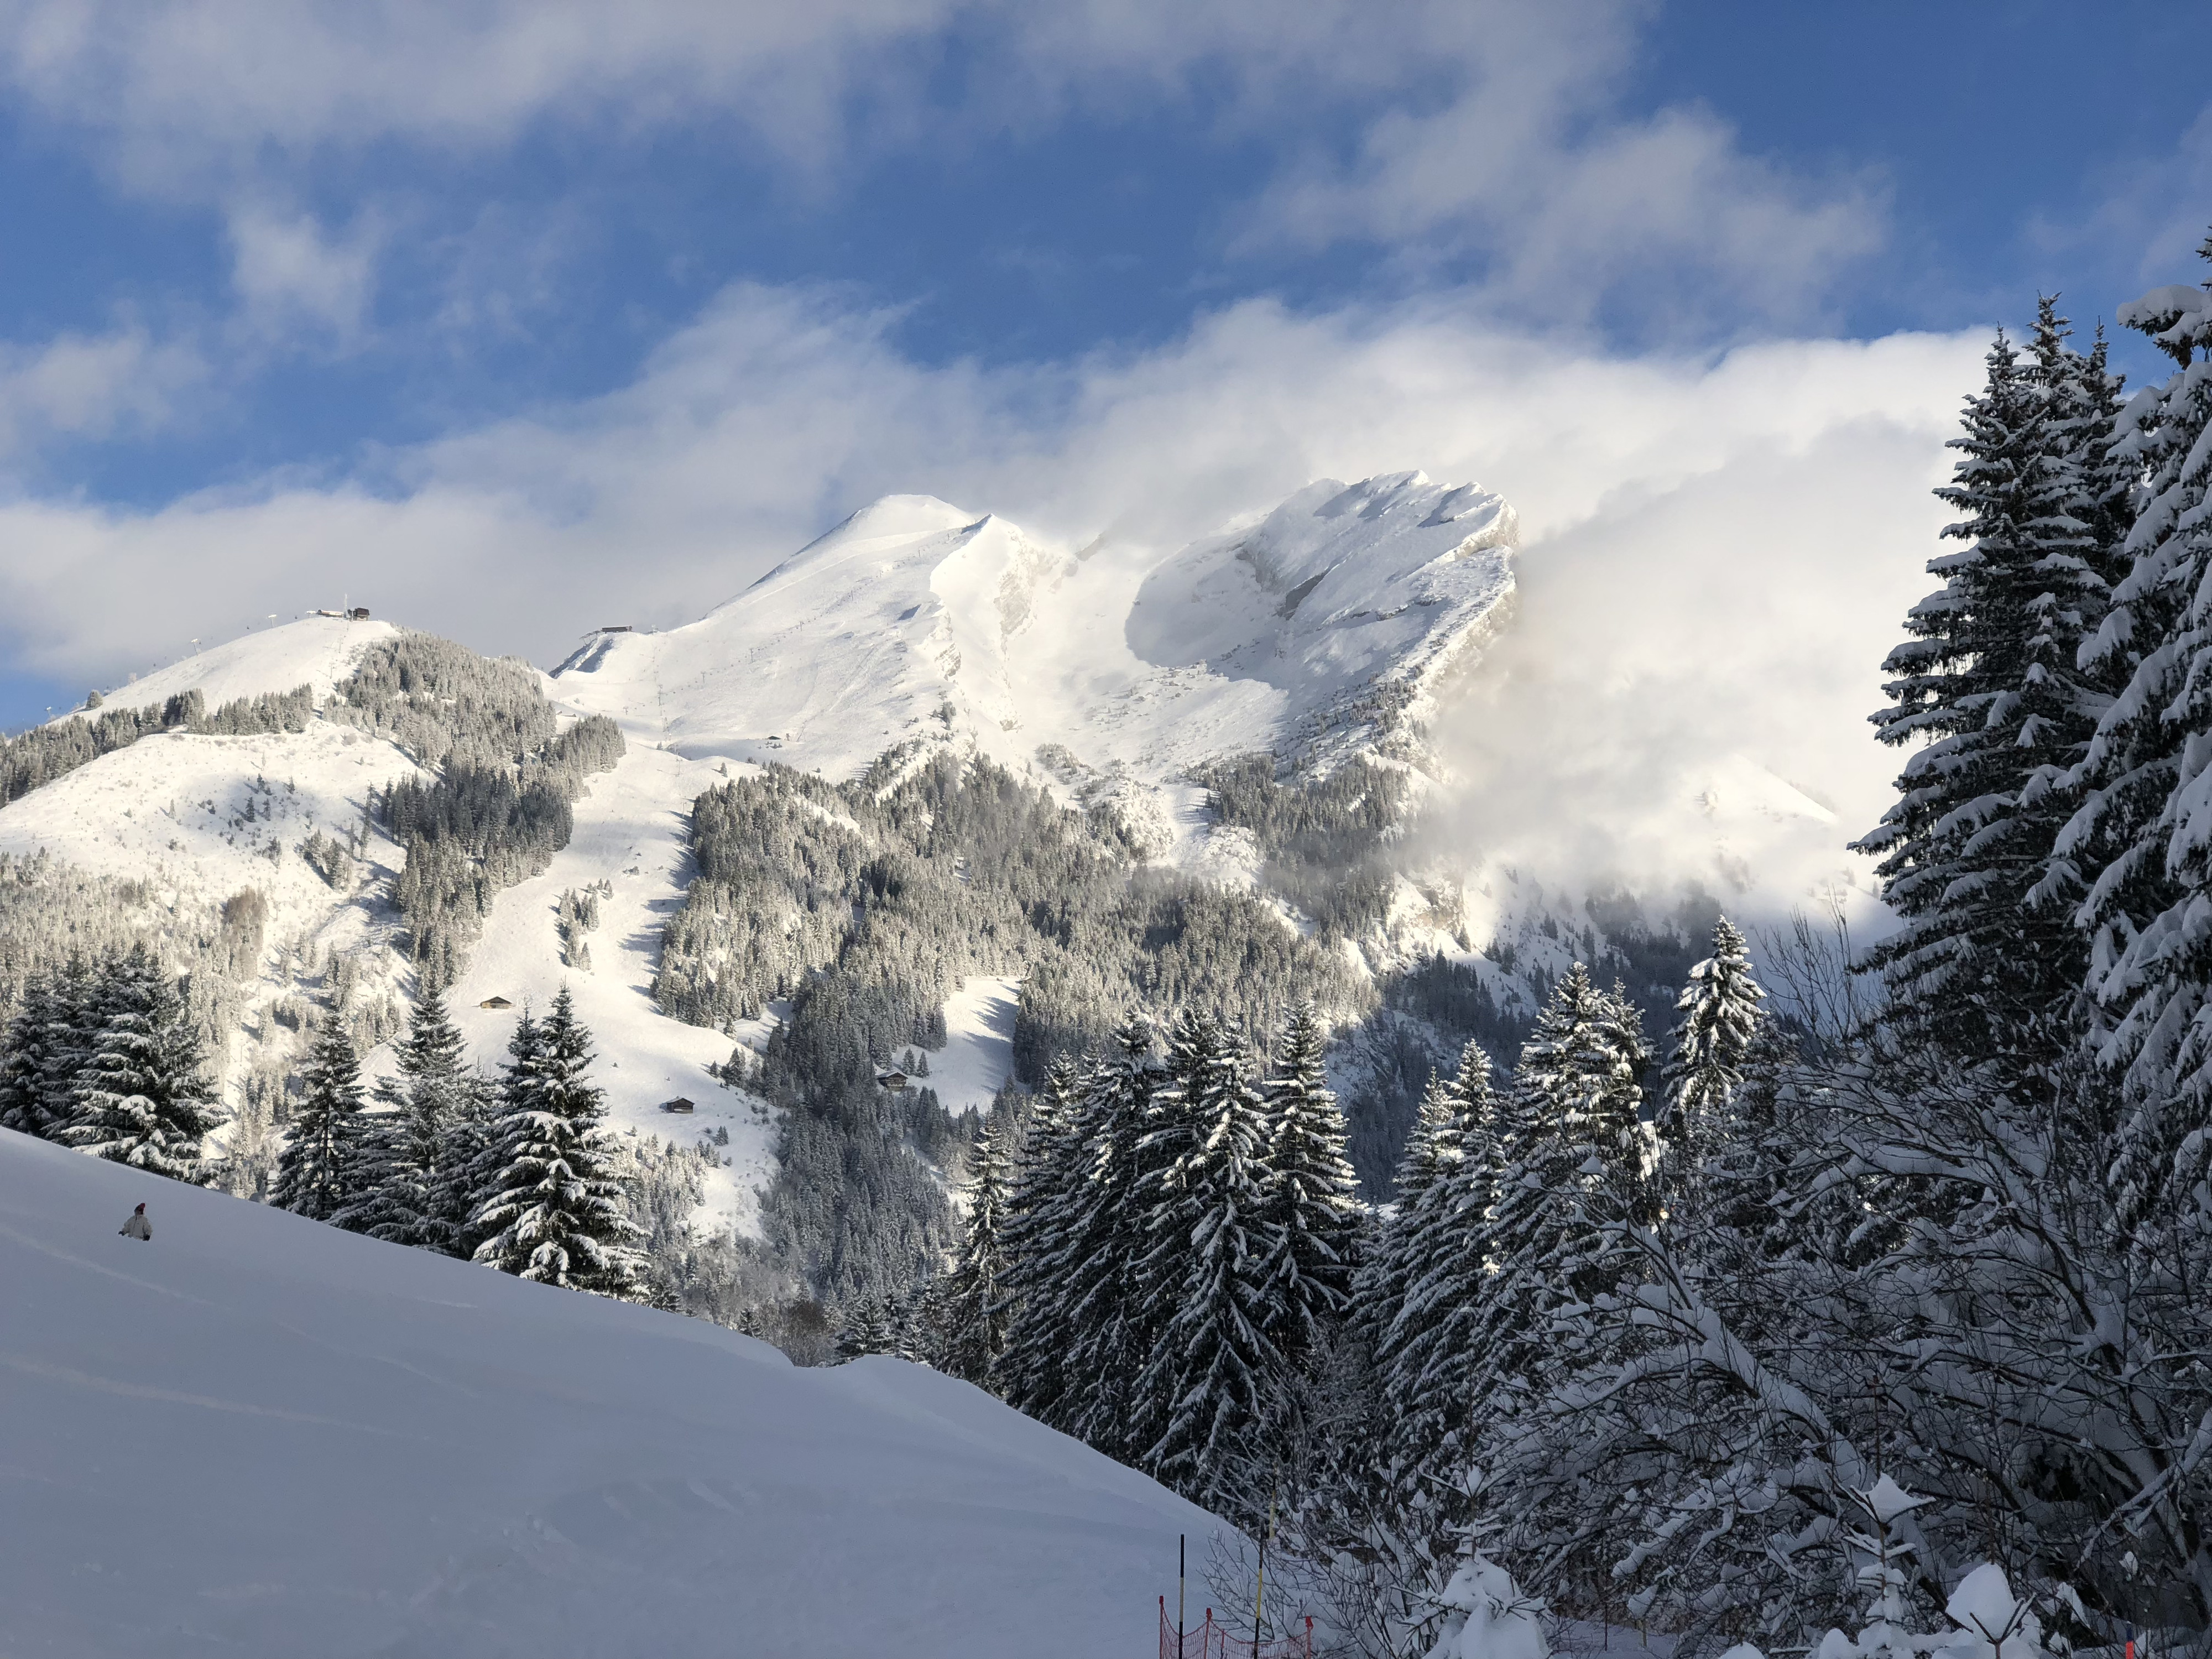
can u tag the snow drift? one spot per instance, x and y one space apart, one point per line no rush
260 1435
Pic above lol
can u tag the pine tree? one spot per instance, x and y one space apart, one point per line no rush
1720 1014
502 1125
75 1012
1428 1360
2082 401
1106 1245
401 1198
2139 840
142 1097
974 1308
557 1214
870 1326
1989 686
471 1159
26 1064
1387 1269
1570 1153
1212 1376
319 1170
924 1336
1313 1211
1043 1219
1582 1071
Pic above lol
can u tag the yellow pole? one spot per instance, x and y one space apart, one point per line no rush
1259 1589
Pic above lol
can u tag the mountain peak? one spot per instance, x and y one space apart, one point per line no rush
1314 632
887 520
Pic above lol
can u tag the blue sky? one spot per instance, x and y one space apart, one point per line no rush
509 313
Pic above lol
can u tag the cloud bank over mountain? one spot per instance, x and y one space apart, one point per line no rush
1479 242
1715 550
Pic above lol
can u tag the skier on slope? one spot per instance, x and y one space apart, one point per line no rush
138 1227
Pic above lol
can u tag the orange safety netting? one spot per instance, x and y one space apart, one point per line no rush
1210 1638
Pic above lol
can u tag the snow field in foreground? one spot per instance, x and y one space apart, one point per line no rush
259 1435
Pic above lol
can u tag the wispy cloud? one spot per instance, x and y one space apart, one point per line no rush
1470 133
91 387
289 271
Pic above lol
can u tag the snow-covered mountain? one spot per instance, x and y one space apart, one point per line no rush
259 1435
1320 630
1329 628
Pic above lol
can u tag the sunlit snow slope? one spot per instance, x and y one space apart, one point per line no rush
1318 629
170 810
258 1435
629 834
317 651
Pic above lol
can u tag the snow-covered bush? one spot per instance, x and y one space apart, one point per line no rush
1987 1621
1489 1617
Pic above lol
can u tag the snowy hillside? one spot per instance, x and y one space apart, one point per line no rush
200 818
1316 630
317 651
629 836
257 1435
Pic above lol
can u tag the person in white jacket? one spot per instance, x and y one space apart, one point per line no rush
138 1227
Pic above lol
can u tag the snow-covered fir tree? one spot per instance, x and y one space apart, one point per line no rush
1569 1153
1989 692
403 1198
870 1326
1720 1012
1213 1373
1314 1213
75 1012
469 1160
143 1096
1426 1365
1387 1264
498 1132
973 1308
1106 1244
2140 839
1042 1220
1581 1073
555 1212
43 1046
319 1171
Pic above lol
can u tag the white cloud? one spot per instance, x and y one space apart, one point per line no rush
1696 657
1574 207
91 387
1718 551
1441 129
2143 223
287 271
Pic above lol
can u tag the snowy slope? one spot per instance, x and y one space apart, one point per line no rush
847 646
1353 602
630 832
317 651
978 1056
257 1435
170 810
